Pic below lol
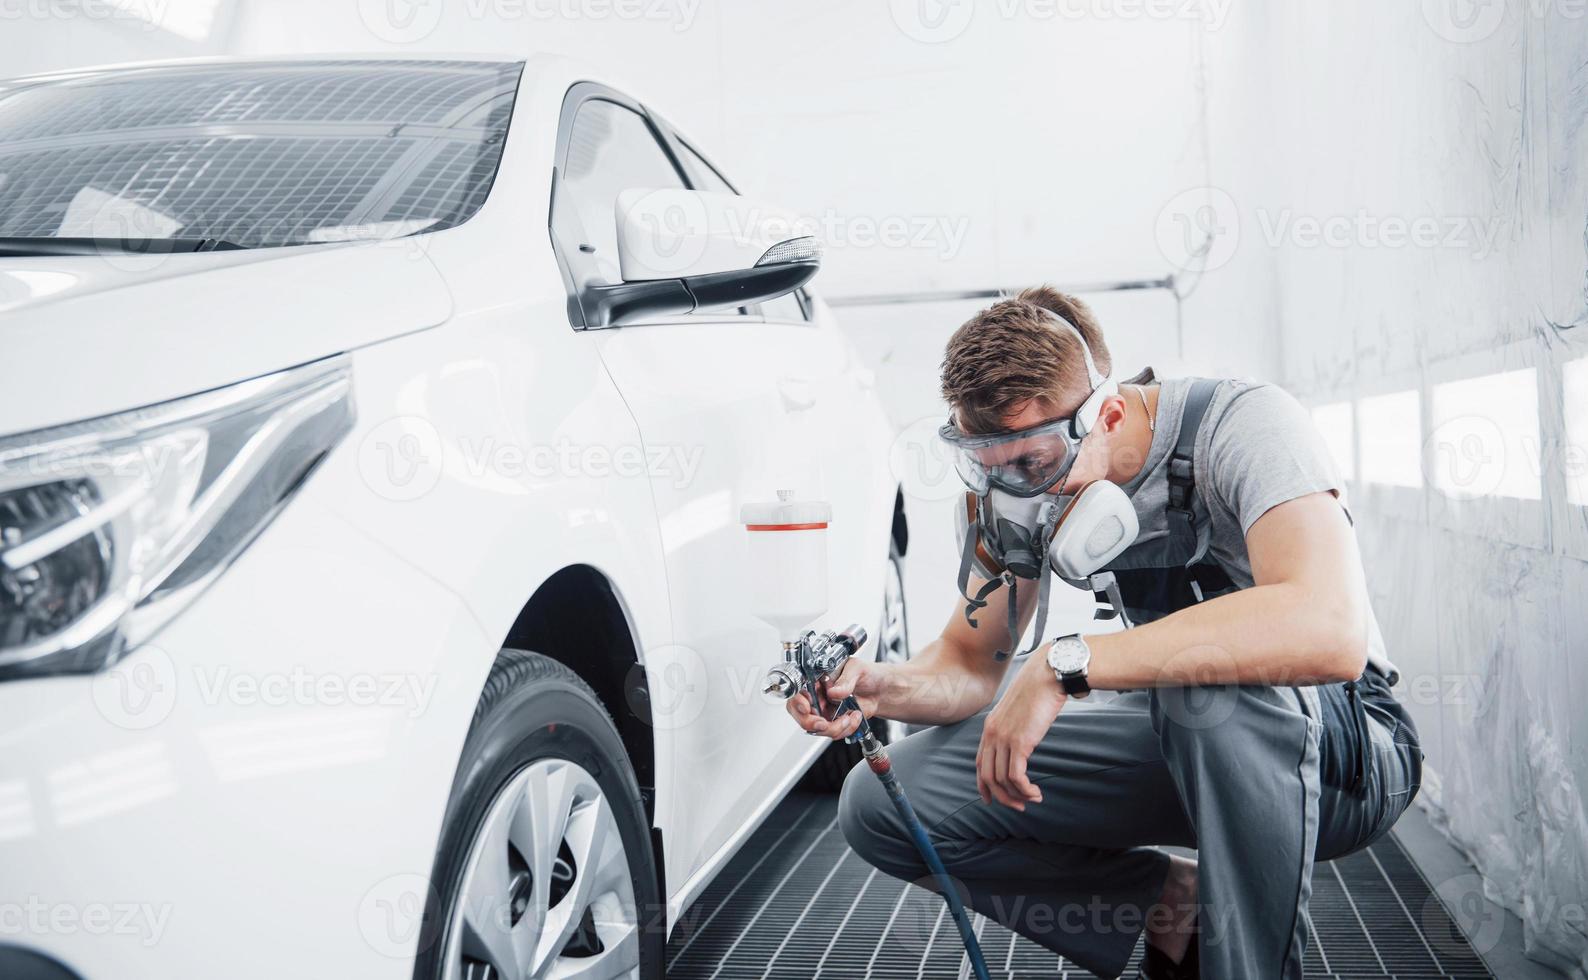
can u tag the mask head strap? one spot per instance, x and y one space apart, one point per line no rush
1102 385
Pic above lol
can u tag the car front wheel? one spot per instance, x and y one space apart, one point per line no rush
545 866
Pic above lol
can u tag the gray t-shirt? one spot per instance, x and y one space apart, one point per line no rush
1256 449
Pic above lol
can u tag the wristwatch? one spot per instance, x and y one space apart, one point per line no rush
1069 657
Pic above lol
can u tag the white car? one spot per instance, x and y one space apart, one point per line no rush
373 436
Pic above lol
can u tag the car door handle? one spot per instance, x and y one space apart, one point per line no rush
798 393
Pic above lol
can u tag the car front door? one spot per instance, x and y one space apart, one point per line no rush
726 404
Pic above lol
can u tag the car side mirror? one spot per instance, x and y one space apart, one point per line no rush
680 251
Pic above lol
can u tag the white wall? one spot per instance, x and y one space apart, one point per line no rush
1473 131
46 35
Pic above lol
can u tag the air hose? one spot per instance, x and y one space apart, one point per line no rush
877 759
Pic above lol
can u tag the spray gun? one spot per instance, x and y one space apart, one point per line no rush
788 586
812 660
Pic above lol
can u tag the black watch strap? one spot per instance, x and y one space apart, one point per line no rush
1074 684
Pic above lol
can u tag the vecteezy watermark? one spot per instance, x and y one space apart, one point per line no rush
1198 229
939 235
677 689
1464 21
1364 229
1457 910
938 21
400 459
139 691
569 459
301 687
1430 689
391 915
922 463
411 21
147 15
404 458
677 226
32 917
1466 457
922 922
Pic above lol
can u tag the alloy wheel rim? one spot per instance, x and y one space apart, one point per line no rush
545 892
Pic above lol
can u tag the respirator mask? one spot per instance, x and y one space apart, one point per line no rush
1012 528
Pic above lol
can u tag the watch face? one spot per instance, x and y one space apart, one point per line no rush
1068 655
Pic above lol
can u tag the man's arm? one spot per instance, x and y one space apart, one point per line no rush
1304 621
948 680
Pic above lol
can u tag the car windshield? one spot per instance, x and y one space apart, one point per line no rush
252 154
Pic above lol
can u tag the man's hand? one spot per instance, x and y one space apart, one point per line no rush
864 679
1013 730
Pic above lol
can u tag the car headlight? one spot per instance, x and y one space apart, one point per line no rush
109 527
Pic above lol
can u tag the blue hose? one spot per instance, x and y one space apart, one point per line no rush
877 759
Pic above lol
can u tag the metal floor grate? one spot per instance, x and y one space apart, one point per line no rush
796 903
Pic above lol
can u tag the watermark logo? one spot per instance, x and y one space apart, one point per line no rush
404 458
401 21
412 21
1456 909
932 21
1198 229
400 459
1466 457
147 15
1193 699
33 917
1464 21
300 687
1201 229
670 230
938 235
1363 229
922 463
138 692
391 916
938 21
674 226
679 688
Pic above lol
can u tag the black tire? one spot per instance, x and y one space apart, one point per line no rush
827 773
535 709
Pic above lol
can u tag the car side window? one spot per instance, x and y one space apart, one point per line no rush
785 307
702 174
611 148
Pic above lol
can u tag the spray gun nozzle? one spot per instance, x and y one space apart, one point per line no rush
782 681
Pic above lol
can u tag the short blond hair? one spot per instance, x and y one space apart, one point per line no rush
1014 351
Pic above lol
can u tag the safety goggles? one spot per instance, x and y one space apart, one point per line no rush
1030 461
1025 462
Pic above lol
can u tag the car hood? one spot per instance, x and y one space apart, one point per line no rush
84 336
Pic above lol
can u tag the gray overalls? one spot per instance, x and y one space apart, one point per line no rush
1234 772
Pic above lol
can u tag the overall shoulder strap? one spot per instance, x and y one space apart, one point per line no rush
1182 468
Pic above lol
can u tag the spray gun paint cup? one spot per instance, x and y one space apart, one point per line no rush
787 561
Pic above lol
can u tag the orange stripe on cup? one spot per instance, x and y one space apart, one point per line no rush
786 527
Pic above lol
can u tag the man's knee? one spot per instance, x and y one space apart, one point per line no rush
872 827
1224 723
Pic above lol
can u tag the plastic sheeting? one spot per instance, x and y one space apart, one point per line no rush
1471 119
